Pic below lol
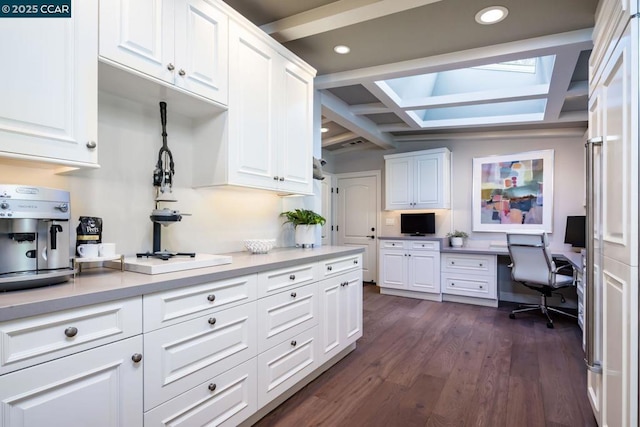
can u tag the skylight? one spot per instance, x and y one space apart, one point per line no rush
519 66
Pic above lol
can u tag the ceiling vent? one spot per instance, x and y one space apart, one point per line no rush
352 143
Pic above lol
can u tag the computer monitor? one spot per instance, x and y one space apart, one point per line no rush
576 230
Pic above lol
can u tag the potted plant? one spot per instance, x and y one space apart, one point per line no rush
305 223
457 238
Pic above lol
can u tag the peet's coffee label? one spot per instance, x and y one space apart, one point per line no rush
89 231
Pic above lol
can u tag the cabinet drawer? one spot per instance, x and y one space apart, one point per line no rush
469 263
232 400
37 339
391 244
479 286
424 246
182 356
274 281
286 314
335 266
170 307
285 364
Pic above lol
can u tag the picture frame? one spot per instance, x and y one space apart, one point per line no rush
513 192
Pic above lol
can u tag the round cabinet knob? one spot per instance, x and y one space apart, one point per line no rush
453 284
170 67
71 332
480 265
275 178
4 205
481 287
355 261
212 320
281 178
453 263
294 343
182 72
292 277
212 387
91 145
211 298
329 268
137 358
293 294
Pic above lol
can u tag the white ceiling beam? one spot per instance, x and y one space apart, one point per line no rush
539 46
506 134
337 110
563 67
336 15
338 139
373 108
578 88
384 93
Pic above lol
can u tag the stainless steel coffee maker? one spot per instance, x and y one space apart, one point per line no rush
34 237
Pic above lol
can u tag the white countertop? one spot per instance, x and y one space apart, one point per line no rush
103 284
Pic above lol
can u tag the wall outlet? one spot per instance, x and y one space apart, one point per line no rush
390 221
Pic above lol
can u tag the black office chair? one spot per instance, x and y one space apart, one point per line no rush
533 266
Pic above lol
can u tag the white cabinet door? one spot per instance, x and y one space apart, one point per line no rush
295 100
252 130
101 387
139 34
351 308
428 181
423 271
49 87
201 49
399 183
393 266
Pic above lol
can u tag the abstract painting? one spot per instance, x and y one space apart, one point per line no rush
513 192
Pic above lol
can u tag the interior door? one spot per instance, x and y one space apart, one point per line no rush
358 216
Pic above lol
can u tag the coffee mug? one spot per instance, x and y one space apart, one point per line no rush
88 251
107 249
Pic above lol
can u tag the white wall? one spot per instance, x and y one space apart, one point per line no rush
121 192
568 180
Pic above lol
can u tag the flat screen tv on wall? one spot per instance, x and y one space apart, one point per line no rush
418 224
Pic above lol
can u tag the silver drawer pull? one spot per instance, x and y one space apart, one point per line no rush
212 387
293 295
355 261
329 268
211 298
481 287
71 332
480 265
212 320
137 357
294 343
292 277
453 262
453 284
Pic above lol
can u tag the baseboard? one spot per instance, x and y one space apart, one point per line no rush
411 294
470 300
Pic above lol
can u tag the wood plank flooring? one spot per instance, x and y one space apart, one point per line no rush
423 363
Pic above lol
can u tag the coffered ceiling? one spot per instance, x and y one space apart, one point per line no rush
425 69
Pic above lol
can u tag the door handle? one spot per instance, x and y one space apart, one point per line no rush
371 237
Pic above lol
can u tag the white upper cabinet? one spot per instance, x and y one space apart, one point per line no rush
269 139
49 86
180 42
418 180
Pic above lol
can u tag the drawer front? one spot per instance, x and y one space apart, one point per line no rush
286 314
25 342
475 264
168 308
284 365
479 286
335 266
225 400
180 357
424 245
391 244
272 282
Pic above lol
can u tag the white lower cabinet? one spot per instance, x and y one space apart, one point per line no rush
470 278
101 387
179 357
341 313
410 268
225 400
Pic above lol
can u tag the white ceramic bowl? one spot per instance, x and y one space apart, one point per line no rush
259 246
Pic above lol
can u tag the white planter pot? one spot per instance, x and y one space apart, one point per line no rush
305 235
457 242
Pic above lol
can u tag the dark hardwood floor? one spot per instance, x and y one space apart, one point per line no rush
423 363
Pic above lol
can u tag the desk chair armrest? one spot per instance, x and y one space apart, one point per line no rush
564 269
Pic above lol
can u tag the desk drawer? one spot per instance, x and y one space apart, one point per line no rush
392 244
274 281
479 287
423 246
469 263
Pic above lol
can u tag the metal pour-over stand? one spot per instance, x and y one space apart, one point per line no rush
163 182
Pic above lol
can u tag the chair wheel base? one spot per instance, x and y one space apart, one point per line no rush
549 325
512 316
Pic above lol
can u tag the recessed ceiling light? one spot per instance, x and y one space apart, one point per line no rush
342 49
324 130
491 15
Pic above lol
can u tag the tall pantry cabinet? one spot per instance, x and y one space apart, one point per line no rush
612 285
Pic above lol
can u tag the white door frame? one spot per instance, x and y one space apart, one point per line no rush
377 174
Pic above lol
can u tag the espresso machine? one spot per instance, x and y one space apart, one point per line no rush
34 237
